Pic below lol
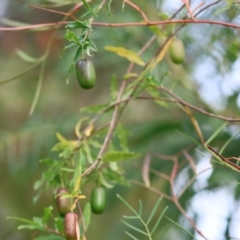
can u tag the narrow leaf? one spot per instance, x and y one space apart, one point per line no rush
130 217
127 204
216 133
131 236
134 228
87 215
119 156
24 56
161 54
159 219
123 52
181 227
49 237
154 210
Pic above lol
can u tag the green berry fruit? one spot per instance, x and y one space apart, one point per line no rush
177 51
85 72
63 204
98 200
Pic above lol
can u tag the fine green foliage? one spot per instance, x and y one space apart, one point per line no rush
138 215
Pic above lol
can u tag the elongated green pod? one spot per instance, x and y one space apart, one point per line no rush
98 200
86 74
177 51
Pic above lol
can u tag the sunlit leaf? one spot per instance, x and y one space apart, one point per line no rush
123 52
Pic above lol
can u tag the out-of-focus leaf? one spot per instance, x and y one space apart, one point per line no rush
161 54
114 87
123 52
122 134
94 109
46 214
119 156
24 56
49 237
87 215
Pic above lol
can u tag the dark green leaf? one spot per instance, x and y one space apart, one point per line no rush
77 24
71 37
94 109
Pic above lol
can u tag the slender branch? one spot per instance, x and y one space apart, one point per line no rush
138 9
128 24
151 189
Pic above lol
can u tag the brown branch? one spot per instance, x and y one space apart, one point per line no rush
152 189
128 24
138 9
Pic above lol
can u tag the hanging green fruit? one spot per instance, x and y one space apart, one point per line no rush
98 200
177 51
85 72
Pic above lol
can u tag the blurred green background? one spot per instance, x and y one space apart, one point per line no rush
24 139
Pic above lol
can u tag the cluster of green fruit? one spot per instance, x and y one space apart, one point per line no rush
71 219
86 74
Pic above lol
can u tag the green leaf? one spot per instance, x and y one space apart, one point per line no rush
47 214
86 4
119 156
131 217
49 237
114 87
131 236
155 94
109 8
219 129
35 224
24 56
154 210
77 24
123 52
71 37
94 109
169 219
70 71
87 215
59 224
140 208
134 228
127 204
122 134
130 75
159 219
